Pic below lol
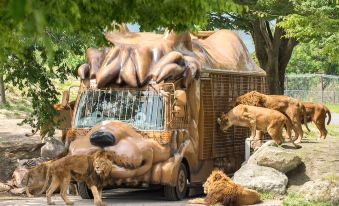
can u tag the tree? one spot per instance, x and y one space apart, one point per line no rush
2 90
310 58
41 40
272 25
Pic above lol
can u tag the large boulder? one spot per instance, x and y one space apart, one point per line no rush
52 149
261 178
270 155
322 190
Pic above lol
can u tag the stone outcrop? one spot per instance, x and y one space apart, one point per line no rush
270 155
52 149
261 178
321 190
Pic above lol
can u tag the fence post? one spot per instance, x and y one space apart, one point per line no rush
322 88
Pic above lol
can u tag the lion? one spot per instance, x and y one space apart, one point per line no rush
258 118
36 179
316 112
290 107
221 189
62 117
91 169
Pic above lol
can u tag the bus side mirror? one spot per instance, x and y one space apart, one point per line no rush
180 100
65 98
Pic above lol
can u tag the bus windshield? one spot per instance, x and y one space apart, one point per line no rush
143 109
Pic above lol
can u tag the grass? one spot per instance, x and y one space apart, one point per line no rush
332 129
333 107
17 106
296 199
269 196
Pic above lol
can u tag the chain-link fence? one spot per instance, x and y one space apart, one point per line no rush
313 87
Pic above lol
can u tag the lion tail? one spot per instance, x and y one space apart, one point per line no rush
48 174
303 111
328 114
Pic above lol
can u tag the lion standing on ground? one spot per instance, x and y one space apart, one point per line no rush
290 107
91 169
221 189
316 113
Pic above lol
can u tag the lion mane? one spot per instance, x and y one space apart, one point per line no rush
252 98
221 189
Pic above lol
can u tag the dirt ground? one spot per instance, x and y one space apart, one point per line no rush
320 161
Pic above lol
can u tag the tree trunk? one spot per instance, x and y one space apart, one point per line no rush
273 52
2 90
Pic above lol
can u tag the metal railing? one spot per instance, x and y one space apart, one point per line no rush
313 87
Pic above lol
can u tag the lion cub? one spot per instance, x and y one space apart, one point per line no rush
258 118
91 169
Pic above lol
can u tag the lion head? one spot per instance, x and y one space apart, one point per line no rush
102 163
102 166
223 122
221 189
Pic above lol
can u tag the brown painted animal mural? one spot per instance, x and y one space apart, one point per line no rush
290 107
137 59
220 189
316 112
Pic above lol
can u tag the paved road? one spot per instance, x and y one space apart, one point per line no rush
114 197
334 118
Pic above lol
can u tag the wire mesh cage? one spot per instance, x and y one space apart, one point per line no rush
218 93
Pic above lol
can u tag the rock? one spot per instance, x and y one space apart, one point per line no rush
17 191
29 163
18 176
270 155
52 148
322 190
261 178
4 187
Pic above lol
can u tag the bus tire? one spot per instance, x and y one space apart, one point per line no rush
178 192
84 191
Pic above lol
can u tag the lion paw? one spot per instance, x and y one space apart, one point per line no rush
70 203
51 203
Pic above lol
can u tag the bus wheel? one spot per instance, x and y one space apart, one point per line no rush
179 191
84 191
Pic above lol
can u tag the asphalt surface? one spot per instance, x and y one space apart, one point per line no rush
334 118
114 197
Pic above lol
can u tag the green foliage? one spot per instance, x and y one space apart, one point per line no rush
33 72
295 199
310 58
315 20
42 41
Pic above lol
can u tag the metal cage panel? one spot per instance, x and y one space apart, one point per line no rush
218 91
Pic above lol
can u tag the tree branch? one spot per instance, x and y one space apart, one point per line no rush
269 30
264 33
